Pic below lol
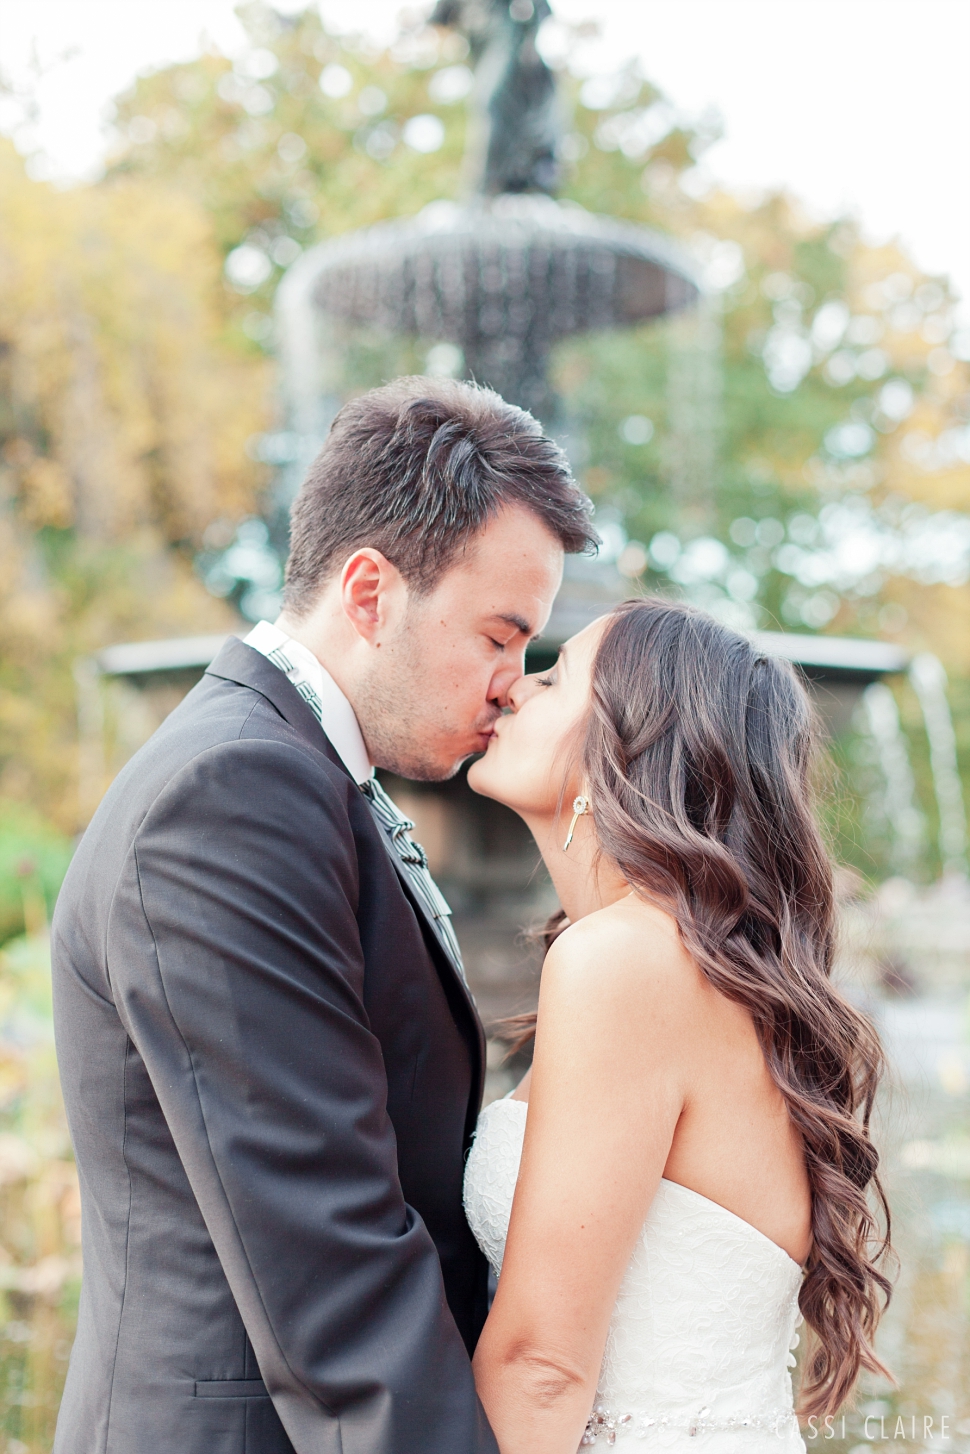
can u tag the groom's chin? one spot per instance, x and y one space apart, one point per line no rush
421 770
429 766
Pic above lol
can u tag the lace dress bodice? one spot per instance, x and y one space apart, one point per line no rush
699 1344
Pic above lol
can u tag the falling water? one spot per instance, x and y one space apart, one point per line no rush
899 799
929 683
694 381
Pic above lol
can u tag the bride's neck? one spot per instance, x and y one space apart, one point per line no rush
584 879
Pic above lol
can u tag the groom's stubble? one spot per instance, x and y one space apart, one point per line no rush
406 712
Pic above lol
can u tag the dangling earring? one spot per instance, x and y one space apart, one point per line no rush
580 806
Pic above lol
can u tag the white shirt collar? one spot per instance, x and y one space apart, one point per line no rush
338 719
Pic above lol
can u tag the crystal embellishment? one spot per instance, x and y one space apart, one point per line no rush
601 1421
604 1424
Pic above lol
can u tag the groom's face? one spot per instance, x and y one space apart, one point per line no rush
431 695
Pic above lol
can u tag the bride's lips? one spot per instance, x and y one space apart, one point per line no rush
486 737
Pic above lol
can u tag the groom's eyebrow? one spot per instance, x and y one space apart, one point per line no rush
520 624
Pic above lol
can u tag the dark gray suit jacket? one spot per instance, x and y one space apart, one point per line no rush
272 1073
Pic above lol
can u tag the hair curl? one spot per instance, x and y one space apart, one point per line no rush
697 759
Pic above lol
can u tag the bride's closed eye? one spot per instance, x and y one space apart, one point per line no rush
547 681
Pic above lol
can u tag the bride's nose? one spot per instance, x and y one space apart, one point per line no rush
520 691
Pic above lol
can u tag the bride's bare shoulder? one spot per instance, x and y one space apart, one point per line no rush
630 949
630 927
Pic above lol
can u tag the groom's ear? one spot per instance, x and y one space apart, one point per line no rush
372 590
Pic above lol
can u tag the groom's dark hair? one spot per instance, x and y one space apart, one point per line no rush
416 468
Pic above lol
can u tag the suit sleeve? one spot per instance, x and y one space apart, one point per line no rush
249 1016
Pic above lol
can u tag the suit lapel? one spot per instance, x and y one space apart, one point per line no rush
248 667
446 968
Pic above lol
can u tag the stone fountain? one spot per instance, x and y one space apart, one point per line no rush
501 276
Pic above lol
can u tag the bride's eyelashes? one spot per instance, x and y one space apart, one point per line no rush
548 681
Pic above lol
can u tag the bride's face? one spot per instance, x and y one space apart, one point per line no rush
531 763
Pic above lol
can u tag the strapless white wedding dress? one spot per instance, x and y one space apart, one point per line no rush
699 1347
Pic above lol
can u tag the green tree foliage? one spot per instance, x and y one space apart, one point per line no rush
33 860
306 136
841 427
40 1205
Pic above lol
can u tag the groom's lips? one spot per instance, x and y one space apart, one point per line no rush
484 738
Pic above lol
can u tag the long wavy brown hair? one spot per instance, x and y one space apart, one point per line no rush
698 758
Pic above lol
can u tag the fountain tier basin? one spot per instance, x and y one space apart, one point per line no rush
501 278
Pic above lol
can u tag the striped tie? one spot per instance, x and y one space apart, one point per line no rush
415 862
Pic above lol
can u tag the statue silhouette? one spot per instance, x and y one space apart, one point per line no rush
515 121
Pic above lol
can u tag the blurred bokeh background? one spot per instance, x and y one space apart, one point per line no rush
791 451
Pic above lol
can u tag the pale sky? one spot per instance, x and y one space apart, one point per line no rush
852 104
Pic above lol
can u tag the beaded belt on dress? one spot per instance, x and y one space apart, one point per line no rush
604 1424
